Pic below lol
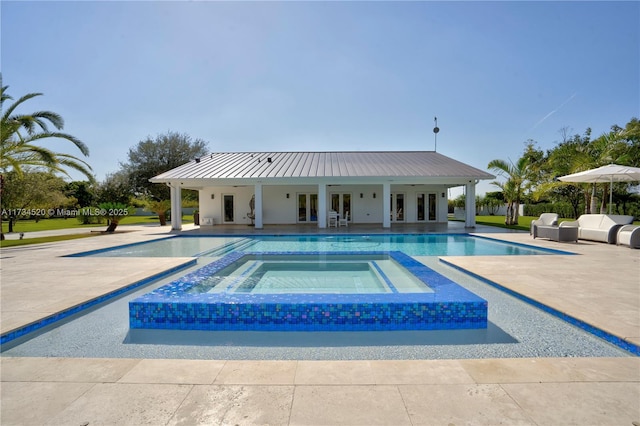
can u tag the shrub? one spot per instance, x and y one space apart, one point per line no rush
564 210
87 216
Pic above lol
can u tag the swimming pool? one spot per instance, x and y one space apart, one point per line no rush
515 329
345 304
317 294
411 244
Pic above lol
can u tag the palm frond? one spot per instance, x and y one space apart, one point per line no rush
45 135
17 103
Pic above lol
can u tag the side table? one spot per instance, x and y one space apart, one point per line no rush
556 233
629 235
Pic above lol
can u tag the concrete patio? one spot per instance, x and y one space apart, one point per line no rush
600 286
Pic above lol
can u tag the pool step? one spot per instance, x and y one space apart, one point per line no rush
239 244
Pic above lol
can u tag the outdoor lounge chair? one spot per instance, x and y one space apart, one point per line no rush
545 219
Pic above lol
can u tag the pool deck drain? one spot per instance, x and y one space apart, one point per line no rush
600 287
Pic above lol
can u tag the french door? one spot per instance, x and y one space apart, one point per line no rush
426 205
307 208
228 208
397 207
341 203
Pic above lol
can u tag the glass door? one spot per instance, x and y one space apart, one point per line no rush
432 207
426 205
421 204
307 208
228 209
341 203
397 207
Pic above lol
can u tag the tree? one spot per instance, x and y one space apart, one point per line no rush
20 135
631 136
161 208
115 188
32 194
512 188
580 153
83 191
607 149
538 169
114 212
152 157
21 132
493 201
569 156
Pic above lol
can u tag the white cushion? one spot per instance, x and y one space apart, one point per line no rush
617 219
590 221
593 234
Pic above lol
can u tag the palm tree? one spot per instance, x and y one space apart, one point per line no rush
609 148
160 207
512 188
20 135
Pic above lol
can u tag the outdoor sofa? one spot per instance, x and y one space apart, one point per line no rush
599 227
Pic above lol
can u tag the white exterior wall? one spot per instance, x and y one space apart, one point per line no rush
278 209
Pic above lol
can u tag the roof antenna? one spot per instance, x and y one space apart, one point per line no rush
436 129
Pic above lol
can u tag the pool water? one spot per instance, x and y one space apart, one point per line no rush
260 283
305 277
338 274
413 245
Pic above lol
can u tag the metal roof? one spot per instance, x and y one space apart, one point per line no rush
344 165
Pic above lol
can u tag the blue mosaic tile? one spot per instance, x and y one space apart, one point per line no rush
449 306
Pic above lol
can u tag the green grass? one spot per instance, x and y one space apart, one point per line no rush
54 224
40 240
29 225
524 222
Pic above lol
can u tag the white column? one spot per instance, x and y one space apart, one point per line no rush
176 208
322 205
258 212
386 205
470 205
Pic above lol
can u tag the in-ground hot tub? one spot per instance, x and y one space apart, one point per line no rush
302 291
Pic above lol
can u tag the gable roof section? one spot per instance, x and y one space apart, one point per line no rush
351 164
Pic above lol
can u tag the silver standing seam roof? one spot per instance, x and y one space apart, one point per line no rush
290 166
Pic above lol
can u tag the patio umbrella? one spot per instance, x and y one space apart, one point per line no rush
605 174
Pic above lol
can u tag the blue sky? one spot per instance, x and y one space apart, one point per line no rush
321 76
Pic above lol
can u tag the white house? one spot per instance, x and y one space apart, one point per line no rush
302 187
